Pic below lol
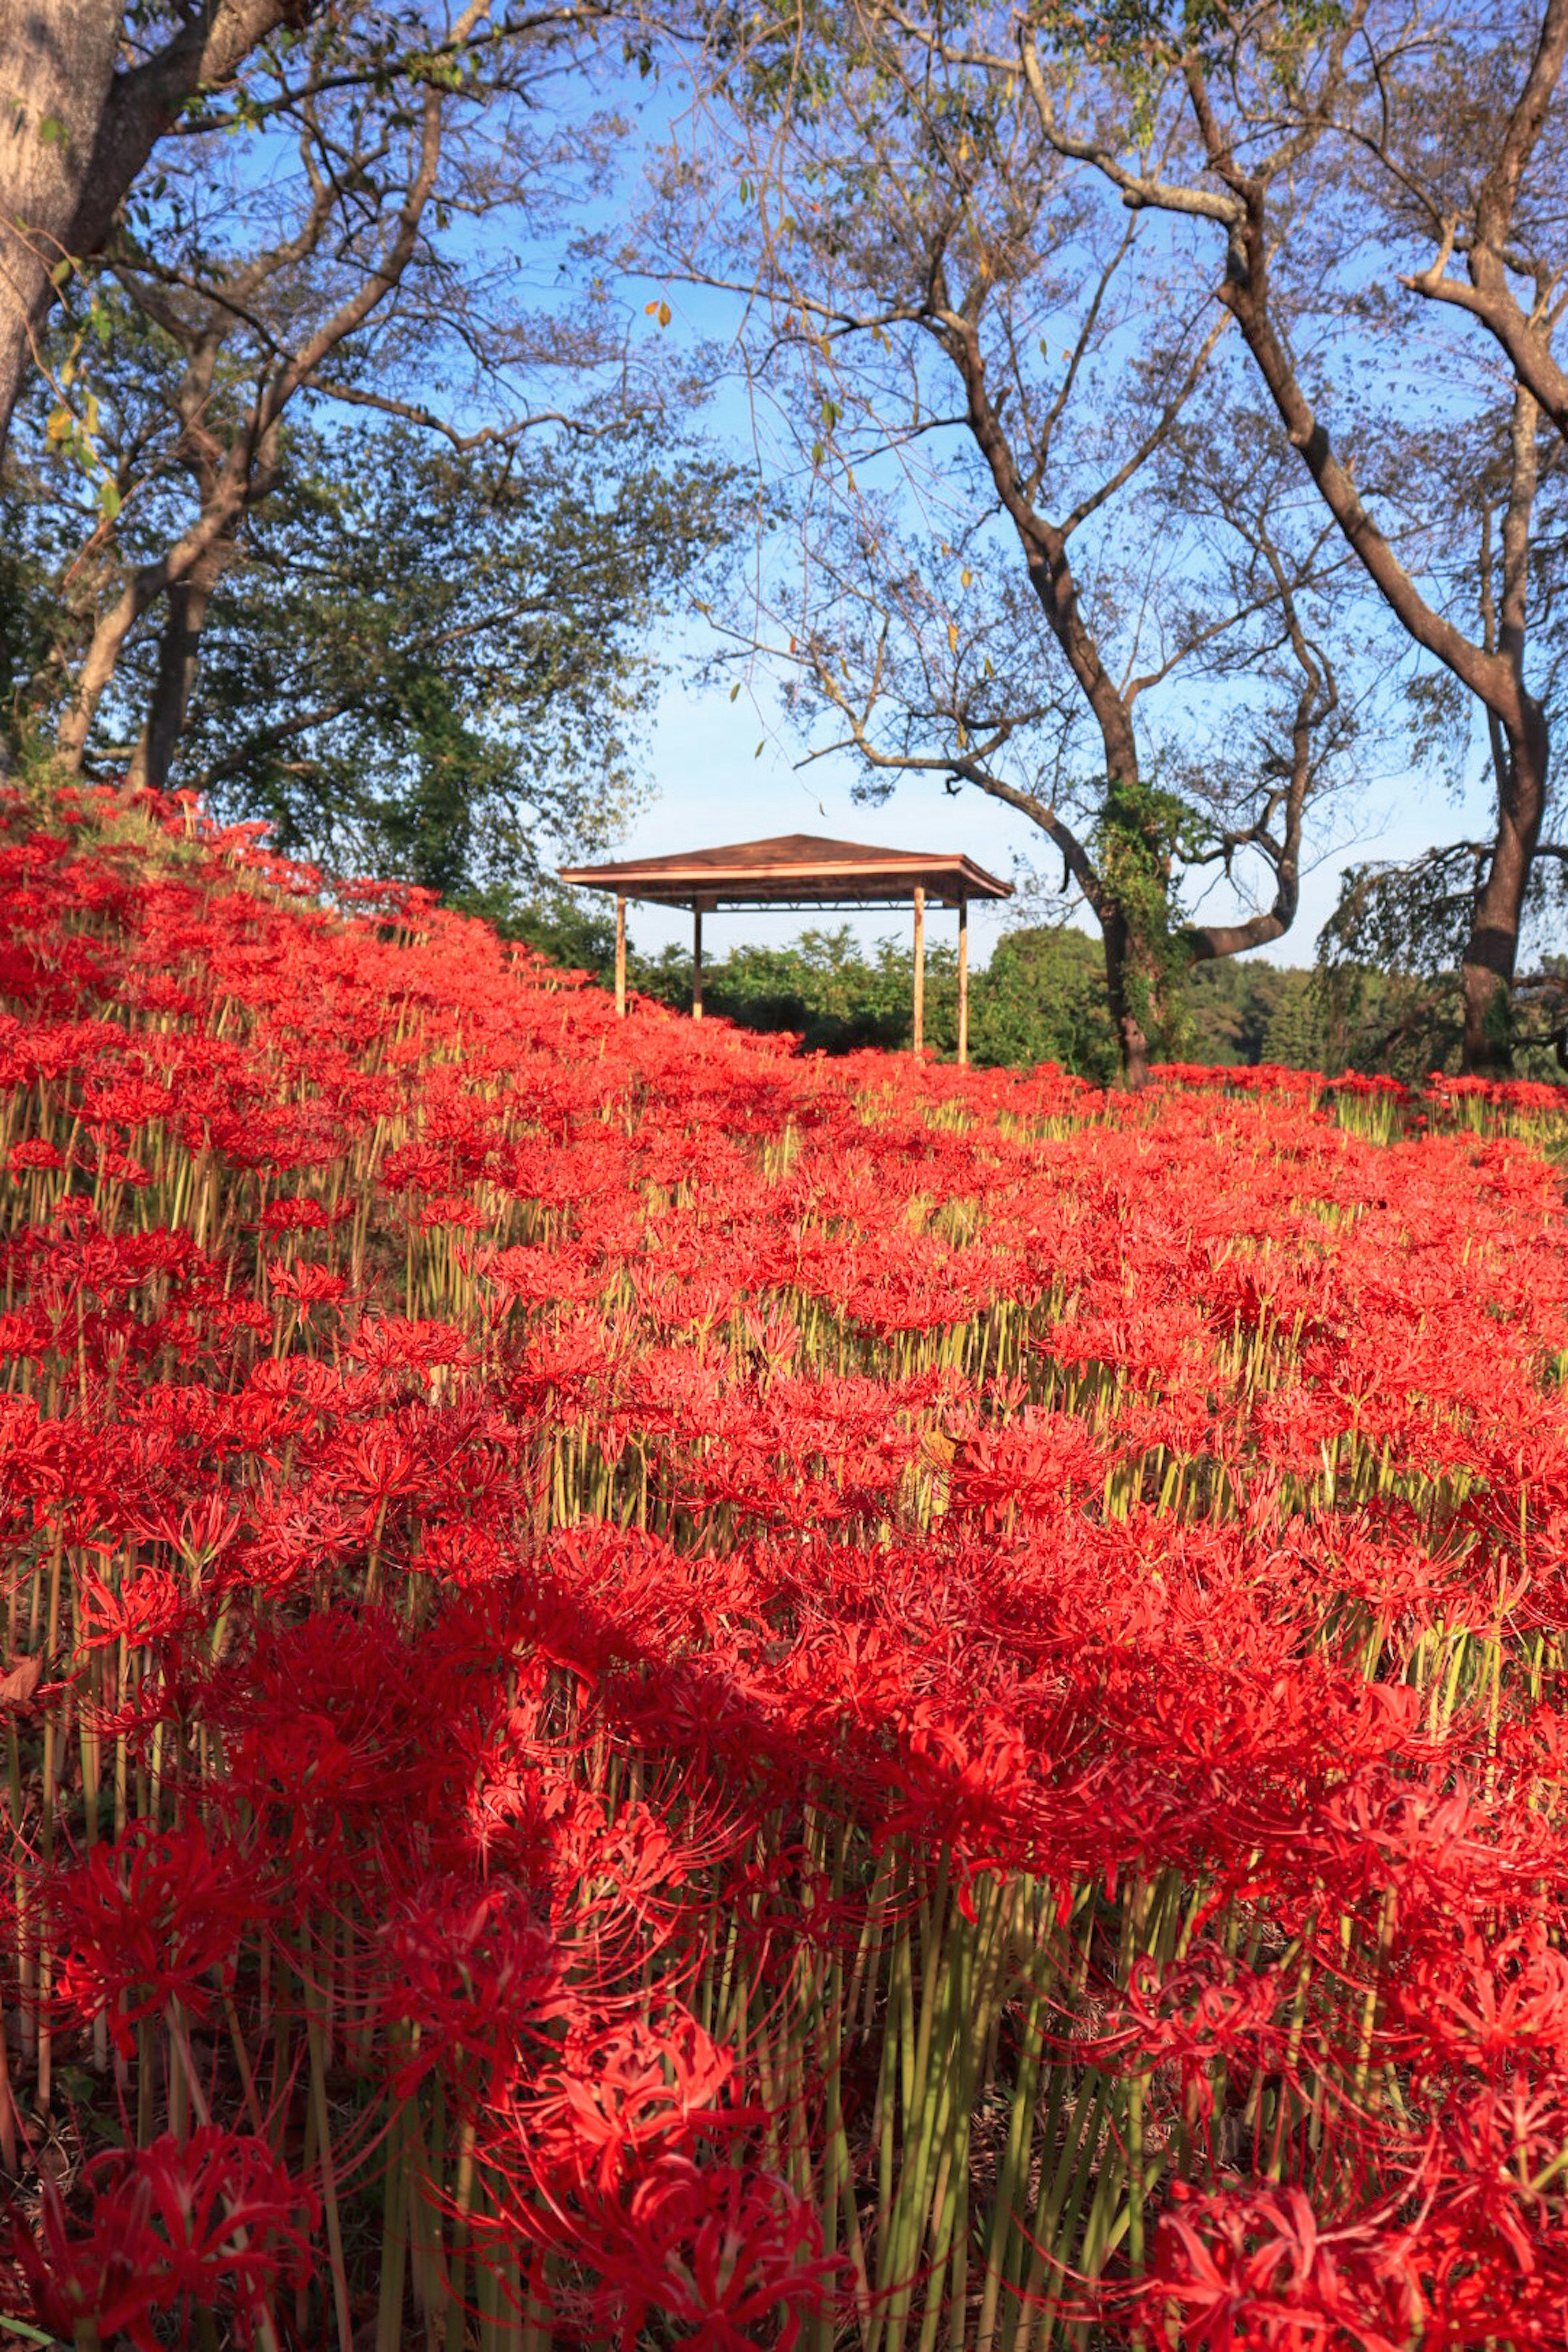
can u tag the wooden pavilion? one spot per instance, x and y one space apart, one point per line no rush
799 870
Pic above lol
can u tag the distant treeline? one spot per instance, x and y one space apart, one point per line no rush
1040 998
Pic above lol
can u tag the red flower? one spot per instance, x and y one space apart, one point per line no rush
144 1921
205 2224
721 2251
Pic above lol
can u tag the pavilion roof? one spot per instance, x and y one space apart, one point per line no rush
799 869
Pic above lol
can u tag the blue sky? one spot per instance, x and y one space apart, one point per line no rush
711 787
710 784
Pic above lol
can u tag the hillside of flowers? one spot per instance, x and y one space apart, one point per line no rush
660 1692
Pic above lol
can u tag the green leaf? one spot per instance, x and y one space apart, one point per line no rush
28 2335
108 499
52 133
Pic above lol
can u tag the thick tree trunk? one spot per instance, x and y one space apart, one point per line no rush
56 62
1131 895
75 134
100 662
179 657
1493 671
1491 952
1123 976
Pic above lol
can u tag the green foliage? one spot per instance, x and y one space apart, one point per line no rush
1041 998
1388 972
431 667
27 626
435 669
1140 834
820 987
1401 1024
1410 918
568 927
1388 960
428 668
1241 1012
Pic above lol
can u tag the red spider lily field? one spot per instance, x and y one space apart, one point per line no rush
660 1693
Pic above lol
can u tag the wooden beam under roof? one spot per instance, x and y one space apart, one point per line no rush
793 869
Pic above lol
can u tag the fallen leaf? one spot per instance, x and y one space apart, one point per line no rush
21 1680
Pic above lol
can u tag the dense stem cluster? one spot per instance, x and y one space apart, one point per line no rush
658 1692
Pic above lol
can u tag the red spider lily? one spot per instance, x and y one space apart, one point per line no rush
1497 2005
1252 2268
309 1284
624 2093
147 1920
784 1614
720 2251
207 2225
1197 2010
149 1608
33 1152
478 1976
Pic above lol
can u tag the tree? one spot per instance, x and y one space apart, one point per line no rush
95 89
234 295
420 662
1394 947
1489 200
1241 123
369 170
92 87
434 665
1007 577
1041 997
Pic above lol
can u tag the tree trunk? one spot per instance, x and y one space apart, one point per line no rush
1491 952
99 664
57 61
1123 977
212 530
1131 895
75 134
179 657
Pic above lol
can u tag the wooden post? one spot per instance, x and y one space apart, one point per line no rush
919 1023
697 962
962 980
621 959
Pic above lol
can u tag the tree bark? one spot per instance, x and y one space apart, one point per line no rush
1122 978
1492 954
1493 671
1049 565
61 187
1495 675
57 63
1524 336
179 657
248 469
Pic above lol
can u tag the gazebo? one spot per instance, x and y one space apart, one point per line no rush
799 870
